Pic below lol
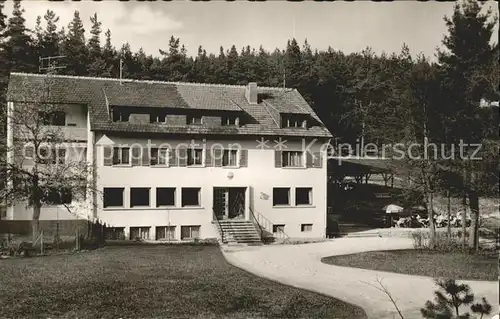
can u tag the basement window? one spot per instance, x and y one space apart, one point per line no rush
139 233
113 197
165 196
139 197
303 196
306 227
191 196
165 232
281 196
115 233
190 232
278 229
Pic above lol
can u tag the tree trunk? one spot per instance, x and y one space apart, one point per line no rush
474 227
448 194
35 222
464 220
432 226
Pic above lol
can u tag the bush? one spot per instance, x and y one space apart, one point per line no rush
443 241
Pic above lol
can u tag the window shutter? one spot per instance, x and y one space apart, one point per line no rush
278 159
146 156
309 159
218 157
182 154
208 157
108 156
318 160
172 157
243 158
136 156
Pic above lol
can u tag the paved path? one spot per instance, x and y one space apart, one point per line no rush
301 266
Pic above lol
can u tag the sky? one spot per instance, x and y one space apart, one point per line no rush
346 26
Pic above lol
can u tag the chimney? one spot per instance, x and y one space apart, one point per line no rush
251 93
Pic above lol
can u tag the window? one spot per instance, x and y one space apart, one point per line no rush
230 158
52 156
281 196
115 233
56 118
303 196
191 197
139 233
165 197
229 121
58 197
306 227
121 156
190 232
278 228
159 156
194 120
292 159
113 197
120 115
293 121
158 118
165 232
139 197
194 157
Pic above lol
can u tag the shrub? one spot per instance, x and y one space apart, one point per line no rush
448 300
443 242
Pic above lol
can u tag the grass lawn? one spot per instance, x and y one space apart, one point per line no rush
152 282
425 263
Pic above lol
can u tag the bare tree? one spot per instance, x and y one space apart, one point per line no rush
44 166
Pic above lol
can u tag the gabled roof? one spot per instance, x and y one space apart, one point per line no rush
100 93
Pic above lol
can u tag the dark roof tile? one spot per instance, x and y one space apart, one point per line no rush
99 93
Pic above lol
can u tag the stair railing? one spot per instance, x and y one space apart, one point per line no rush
221 231
266 225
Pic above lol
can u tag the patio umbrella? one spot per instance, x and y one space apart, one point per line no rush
390 209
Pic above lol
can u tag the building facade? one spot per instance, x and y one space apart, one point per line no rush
173 160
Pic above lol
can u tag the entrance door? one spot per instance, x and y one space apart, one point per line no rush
221 202
229 202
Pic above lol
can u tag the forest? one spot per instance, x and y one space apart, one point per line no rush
384 99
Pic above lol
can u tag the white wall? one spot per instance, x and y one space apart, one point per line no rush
260 175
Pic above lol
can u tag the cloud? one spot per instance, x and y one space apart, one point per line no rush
144 20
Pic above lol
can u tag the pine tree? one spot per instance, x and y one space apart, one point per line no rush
19 44
38 37
97 65
4 65
292 64
465 64
75 48
109 55
50 38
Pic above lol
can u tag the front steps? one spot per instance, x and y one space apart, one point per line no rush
238 231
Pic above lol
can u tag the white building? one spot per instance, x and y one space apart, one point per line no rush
184 160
